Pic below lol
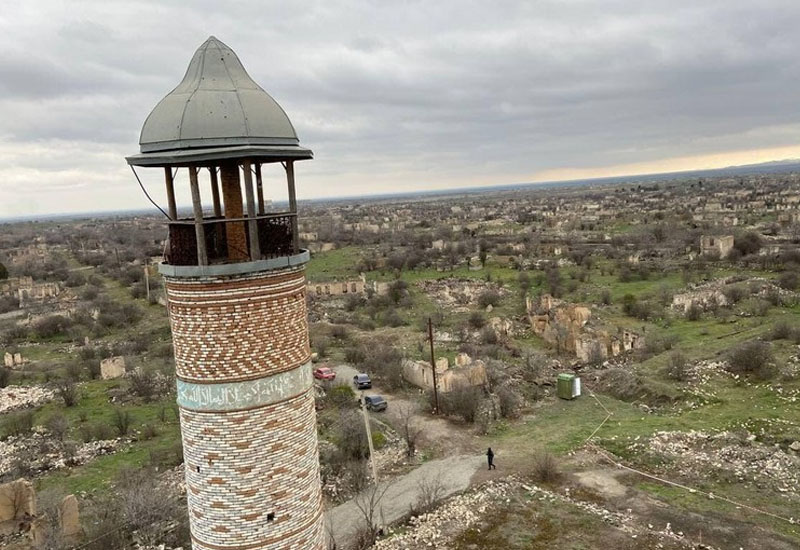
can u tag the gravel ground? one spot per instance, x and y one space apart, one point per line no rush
454 474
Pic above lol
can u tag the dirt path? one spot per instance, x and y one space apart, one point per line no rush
441 436
453 473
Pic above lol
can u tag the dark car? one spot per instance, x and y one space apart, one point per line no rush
362 381
375 403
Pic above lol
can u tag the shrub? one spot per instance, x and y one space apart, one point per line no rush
735 293
149 431
781 330
93 368
73 371
142 384
350 436
753 358
352 302
629 302
462 401
545 468
341 395
510 402
67 390
50 326
748 243
677 367
5 377
58 426
122 422
694 312
488 336
489 298
789 280
18 423
340 332
476 320
393 319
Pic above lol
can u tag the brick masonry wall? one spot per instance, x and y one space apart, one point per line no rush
242 328
252 475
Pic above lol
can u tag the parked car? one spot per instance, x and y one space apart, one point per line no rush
375 403
362 381
324 373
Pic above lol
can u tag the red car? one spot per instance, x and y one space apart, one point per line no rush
324 373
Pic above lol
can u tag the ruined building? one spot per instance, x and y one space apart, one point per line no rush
567 327
718 246
235 285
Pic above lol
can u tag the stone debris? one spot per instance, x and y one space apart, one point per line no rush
48 454
22 397
437 529
698 454
458 295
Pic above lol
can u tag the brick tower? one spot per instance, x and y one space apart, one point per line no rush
235 285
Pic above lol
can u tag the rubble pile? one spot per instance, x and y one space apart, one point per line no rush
392 453
698 454
458 295
21 397
43 453
436 528
175 479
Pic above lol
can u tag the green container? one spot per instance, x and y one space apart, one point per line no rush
565 385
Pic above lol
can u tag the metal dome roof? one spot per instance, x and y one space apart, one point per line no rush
216 105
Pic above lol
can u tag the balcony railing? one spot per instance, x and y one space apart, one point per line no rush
228 240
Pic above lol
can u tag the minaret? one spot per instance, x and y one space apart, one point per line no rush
235 285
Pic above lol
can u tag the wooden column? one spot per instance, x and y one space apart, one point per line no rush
235 234
197 207
215 192
173 208
292 204
252 225
260 190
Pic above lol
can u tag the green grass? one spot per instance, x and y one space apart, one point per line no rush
95 405
338 264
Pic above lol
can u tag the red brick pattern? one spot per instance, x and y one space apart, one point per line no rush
252 475
243 328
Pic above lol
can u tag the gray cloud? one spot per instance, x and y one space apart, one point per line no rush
407 93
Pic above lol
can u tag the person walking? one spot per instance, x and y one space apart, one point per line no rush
490 458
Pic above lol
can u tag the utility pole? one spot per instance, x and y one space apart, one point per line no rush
369 439
433 368
147 278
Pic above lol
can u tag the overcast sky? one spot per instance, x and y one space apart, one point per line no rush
402 95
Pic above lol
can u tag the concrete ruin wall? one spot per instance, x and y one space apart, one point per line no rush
37 292
12 360
338 288
113 367
419 373
17 500
716 245
12 285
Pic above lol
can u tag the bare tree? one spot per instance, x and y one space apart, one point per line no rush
407 429
431 490
368 503
67 390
